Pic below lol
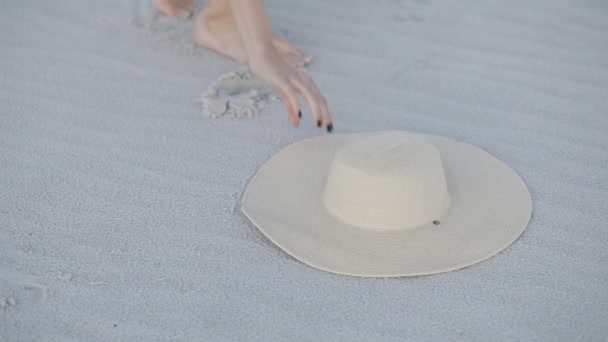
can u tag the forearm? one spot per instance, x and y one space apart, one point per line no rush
253 25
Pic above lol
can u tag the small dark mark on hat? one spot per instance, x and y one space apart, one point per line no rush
435 222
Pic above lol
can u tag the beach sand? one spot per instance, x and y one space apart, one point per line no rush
119 193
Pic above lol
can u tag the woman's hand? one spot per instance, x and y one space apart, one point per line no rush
256 45
289 82
266 63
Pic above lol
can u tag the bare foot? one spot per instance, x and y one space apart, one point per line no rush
182 9
215 28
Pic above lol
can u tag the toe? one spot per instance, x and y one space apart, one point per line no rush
166 7
306 60
177 9
283 45
292 59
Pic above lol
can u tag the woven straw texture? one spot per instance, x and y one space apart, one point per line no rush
339 204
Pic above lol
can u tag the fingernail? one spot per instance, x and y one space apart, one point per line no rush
318 123
330 127
300 114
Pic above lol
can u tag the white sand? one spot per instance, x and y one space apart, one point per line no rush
119 214
237 94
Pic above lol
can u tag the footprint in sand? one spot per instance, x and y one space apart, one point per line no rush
237 94
7 302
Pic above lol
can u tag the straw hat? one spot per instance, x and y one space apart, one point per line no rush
387 204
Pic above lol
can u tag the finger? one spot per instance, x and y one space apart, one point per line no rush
290 97
311 94
323 119
326 116
326 120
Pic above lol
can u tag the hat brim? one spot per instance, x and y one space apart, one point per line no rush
490 208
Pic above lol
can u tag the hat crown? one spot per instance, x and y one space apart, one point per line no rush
387 181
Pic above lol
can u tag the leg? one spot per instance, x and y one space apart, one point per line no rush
215 28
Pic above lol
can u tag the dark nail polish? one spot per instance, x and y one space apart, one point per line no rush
319 123
330 127
300 114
